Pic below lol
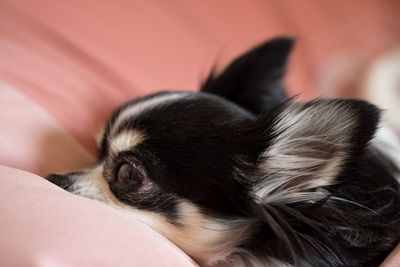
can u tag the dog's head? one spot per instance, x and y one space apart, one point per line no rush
203 168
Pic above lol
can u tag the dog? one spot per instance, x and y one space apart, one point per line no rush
239 174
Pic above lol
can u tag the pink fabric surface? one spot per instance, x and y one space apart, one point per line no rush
42 225
32 140
393 260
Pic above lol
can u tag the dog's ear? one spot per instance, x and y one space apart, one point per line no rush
254 80
306 146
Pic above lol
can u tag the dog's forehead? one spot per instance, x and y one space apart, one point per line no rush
166 115
175 109
135 108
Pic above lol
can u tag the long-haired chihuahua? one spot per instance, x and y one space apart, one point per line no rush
240 175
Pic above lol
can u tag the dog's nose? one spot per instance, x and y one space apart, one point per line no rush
60 180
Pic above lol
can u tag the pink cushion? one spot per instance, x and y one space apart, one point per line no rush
42 225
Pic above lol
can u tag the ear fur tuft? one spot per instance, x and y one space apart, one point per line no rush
309 145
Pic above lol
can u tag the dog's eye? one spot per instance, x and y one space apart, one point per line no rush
128 174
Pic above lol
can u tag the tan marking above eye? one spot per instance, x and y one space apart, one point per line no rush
125 140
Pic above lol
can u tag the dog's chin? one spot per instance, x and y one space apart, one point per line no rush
210 241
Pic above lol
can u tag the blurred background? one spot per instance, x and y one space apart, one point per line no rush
64 65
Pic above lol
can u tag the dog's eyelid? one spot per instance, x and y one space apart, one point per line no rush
127 172
128 158
139 168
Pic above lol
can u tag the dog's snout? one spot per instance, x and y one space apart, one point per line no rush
62 181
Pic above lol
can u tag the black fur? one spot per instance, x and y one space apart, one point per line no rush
254 80
208 147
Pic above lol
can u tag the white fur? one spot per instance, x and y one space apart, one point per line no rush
307 153
91 184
